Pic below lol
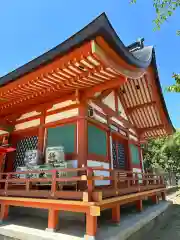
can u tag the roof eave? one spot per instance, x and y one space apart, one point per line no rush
99 27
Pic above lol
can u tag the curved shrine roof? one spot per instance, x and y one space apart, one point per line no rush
138 60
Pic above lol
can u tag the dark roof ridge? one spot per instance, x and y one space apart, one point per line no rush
99 26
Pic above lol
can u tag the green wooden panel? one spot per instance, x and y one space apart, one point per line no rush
63 135
134 154
96 140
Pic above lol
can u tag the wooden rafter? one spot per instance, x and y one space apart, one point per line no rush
144 105
121 99
151 77
80 70
143 130
89 93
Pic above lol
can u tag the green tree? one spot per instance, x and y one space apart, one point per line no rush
165 9
175 87
163 154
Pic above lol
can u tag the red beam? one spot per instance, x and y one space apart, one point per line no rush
104 94
89 93
35 106
112 113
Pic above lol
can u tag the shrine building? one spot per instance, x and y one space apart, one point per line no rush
98 99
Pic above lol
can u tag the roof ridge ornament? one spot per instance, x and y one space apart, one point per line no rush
139 44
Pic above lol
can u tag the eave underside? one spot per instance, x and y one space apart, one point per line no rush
144 107
89 69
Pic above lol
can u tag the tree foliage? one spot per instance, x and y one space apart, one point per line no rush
165 9
163 154
175 87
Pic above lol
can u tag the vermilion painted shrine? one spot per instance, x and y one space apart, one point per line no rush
77 116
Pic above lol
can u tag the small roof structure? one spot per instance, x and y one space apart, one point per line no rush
92 60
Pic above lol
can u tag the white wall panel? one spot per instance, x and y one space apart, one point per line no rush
29 114
92 163
118 122
3 132
110 101
121 110
61 105
62 115
28 124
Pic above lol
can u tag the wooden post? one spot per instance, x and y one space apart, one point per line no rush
141 158
136 179
82 134
161 180
53 183
28 185
139 205
129 156
6 184
41 132
4 212
91 227
52 220
90 183
163 195
115 179
116 214
155 199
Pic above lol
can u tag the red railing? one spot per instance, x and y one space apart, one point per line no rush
82 185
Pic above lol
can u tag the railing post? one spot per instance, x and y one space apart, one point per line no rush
28 185
6 184
115 180
90 183
53 183
88 195
161 180
136 179
129 181
146 180
163 195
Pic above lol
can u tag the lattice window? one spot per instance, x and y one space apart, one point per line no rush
28 143
119 159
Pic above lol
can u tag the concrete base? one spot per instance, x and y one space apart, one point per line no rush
25 228
133 223
50 230
86 237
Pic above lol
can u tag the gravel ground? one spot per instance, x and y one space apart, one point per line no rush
168 228
165 228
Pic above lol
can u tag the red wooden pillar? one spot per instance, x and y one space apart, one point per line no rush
140 157
155 199
163 195
52 220
116 214
129 156
91 227
41 132
4 212
139 205
109 145
82 133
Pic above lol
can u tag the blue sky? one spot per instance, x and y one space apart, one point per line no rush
30 28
